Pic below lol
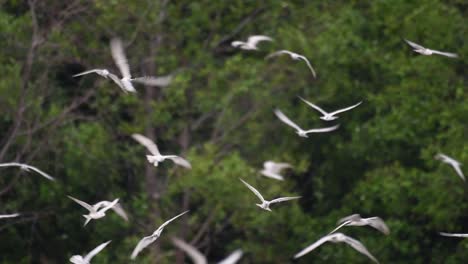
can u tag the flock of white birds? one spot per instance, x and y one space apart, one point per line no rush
271 169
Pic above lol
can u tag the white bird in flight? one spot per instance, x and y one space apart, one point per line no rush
77 259
453 234
337 238
328 116
357 220
273 169
9 215
265 205
93 212
125 83
294 56
301 132
251 43
26 167
117 208
425 51
198 258
156 156
452 162
146 241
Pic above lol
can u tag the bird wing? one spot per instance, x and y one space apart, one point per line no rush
254 40
351 218
9 215
144 242
257 193
170 220
446 54
308 64
284 199
110 205
85 205
453 235
237 43
414 45
379 224
117 81
316 107
86 72
359 247
196 256
286 120
314 246
272 175
233 258
95 251
148 143
180 161
45 175
278 53
345 109
118 209
154 81
457 168
322 130
119 57
340 226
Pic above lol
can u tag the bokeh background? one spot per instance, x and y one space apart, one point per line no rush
218 113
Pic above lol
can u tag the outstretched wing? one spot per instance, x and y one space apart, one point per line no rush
456 167
340 226
284 199
308 65
179 161
172 219
359 247
278 53
254 40
154 81
350 218
119 57
144 242
272 175
118 82
118 209
379 224
313 246
345 109
9 215
322 130
110 205
316 107
257 193
85 205
446 54
286 120
233 258
45 175
237 43
196 256
453 235
86 72
414 45
148 143
95 251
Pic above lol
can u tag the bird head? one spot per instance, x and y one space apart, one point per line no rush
302 134
328 117
77 259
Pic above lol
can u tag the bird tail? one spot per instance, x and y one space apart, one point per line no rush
88 218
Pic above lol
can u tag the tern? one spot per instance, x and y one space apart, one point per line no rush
251 43
294 56
77 259
453 235
146 241
9 215
198 258
26 167
265 205
452 162
93 212
337 238
125 83
156 156
301 132
425 51
357 220
328 116
273 169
